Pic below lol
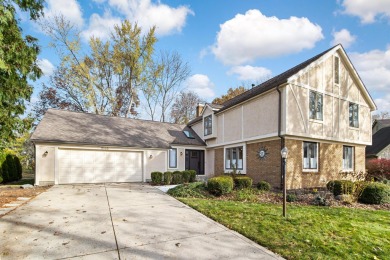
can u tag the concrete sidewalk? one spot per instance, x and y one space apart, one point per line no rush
117 221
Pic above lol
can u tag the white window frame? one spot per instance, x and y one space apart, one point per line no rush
241 171
209 125
316 94
354 123
303 157
352 157
169 158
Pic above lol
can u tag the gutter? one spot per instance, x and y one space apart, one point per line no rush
282 138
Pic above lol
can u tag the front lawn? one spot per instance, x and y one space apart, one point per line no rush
309 232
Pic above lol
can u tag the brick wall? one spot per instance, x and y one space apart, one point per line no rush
218 164
267 169
329 163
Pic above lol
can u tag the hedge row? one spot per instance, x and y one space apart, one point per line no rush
221 185
10 168
365 192
176 177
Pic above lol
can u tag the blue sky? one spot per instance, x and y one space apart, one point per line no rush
235 42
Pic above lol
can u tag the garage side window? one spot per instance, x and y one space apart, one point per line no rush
173 158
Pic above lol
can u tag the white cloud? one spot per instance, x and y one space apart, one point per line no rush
367 10
46 66
374 69
70 9
254 35
344 37
201 85
100 26
250 73
167 19
383 104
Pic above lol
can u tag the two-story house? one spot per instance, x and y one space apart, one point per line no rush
319 110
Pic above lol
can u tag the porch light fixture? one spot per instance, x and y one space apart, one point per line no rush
284 154
151 156
45 153
181 153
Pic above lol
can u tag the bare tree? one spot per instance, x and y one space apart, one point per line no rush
381 115
169 72
184 108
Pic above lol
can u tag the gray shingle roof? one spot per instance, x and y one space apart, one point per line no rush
380 140
82 128
270 84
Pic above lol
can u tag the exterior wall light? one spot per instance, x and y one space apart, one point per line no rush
151 156
45 153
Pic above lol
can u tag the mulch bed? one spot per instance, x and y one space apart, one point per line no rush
11 193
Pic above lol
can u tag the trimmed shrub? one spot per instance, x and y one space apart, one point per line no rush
375 193
12 172
329 186
167 178
177 177
157 177
4 171
242 182
186 175
342 187
19 169
220 185
192 175
291 198
263 185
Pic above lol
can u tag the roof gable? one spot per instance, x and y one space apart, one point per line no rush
62 126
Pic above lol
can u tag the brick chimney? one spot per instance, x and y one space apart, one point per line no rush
199 108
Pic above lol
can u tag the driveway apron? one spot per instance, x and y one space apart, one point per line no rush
117 221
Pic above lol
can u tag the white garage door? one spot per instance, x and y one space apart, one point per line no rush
91 166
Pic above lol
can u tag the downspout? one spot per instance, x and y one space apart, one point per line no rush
282 139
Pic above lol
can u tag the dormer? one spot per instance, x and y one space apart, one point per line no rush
209 120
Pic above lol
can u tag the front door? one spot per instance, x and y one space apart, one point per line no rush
195 161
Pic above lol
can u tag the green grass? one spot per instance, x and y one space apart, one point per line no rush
308 232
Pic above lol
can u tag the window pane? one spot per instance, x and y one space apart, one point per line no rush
336 70
240 158
347 157
310 157
172 158
227 158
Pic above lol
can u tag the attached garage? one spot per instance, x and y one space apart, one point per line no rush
72 147
97 166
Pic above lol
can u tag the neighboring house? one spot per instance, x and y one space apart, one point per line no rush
320 110
380 147
379 124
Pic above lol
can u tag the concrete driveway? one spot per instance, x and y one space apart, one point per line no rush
117 221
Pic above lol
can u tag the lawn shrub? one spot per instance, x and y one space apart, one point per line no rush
177 177
320 201
342 187
192 175
186 176
167 178
242 182
263 185
8 169
19 169
375 193
4 171
291 198
190 190
220 185
329 186
157 177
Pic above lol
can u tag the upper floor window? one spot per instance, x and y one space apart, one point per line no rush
208 125
234 158
353 115
315 105
173 158
336 70
347 158
310 155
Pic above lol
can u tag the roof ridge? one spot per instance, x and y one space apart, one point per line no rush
110 116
